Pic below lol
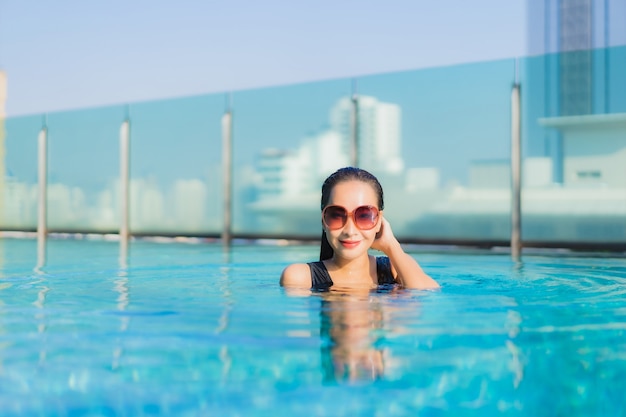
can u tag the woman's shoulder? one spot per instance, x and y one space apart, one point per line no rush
296 275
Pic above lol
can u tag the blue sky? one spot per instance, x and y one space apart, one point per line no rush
71 54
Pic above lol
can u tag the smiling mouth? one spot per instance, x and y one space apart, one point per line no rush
349 243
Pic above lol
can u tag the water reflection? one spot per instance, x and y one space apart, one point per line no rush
40 314
121 287
123 255
351 327
41 253
513 326
3 286
224 284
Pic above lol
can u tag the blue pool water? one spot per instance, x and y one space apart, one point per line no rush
188 329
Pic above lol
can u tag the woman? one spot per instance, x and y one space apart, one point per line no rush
353 222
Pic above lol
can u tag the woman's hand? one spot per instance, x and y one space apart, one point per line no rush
385 240
405 269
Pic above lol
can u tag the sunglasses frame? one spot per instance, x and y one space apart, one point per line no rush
351 214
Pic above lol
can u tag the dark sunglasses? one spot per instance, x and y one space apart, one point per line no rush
336 217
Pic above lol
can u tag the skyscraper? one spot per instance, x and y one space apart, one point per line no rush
575 69
569 25
579 31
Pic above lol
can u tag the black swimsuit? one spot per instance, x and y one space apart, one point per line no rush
321 281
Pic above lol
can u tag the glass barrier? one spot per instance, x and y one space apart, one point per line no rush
439 141
18 186
83 170
175 168
574 140
287 140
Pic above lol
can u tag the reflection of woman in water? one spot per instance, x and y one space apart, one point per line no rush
350 327
353 222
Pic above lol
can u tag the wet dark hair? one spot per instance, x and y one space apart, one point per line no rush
342 175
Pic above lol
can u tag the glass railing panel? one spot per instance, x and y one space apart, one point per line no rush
18 178
176 171
574 140
83 170
615 62
287 140
439 141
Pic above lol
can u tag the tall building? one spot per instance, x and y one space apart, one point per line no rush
576 69
274 168
291 174
571 25
379 132
578 31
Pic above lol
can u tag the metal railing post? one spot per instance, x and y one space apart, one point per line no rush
124 190
516 173
3 98
354 126
227 142
42 195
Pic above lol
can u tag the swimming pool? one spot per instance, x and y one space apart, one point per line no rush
189 329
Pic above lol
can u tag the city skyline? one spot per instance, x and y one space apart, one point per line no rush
192 206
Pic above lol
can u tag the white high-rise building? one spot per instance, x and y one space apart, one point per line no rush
292 174
379 133
277 177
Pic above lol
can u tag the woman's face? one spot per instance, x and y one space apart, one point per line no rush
350 242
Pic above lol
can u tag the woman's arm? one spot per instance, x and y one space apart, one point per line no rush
408 272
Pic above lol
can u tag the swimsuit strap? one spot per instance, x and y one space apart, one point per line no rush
383 270
321 280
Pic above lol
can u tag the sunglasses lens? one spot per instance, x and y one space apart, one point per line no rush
335 217
365 217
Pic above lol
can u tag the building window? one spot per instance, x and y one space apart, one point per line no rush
589 175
